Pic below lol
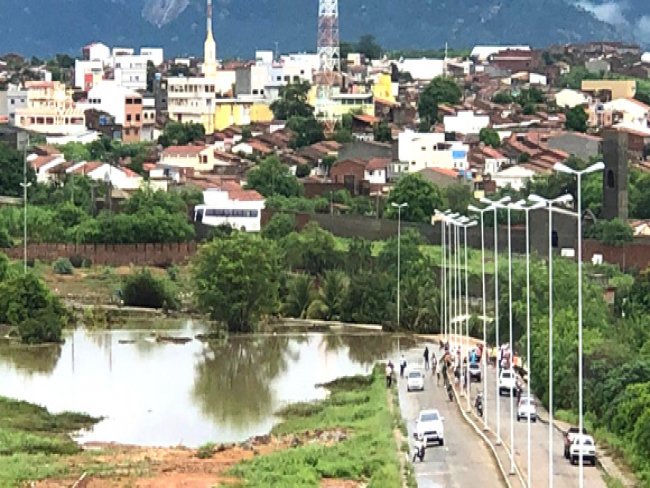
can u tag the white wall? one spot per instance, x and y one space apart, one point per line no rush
220 203
154 54
99 52
422 69
430 150
130 71
81 68
466 122
378 176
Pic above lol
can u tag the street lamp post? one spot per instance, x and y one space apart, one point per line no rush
527 211
25 185
467 316
496 205
549 203
579 174
399 243
480 211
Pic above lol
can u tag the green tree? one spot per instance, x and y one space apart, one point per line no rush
440 90
368 298
306 131
458 197
328 303
383 132
271 177
368 46
503 98
359 256
75 152
409 252
143 289
181 134
280 225
489 137
422 197
576 119
293 102
11 171
299 296
313 250
236 279
613 232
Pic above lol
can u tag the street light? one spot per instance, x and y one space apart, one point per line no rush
563 168
495 206
399 242
443 216
25 185
465 226
563 199
527 210
480 211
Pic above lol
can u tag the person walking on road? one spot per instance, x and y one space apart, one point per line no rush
402 366
426 357
434 364
438 369
389 375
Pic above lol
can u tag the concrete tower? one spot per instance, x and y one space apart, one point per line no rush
210 47
615 191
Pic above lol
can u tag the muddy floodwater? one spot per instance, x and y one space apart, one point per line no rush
165 394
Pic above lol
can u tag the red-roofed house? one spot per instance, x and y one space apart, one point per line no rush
120 177
43 165
229 204
199 158
376 171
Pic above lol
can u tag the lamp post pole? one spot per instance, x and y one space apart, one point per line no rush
496 205
549 203
399 243
467 383
512 403
579 174
25 185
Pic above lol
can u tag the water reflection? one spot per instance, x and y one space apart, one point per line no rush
167 394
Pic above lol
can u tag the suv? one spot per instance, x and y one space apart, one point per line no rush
415 380
527 408
582 444
568 439
507 382
429 428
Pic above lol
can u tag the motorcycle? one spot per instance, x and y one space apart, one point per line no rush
478 404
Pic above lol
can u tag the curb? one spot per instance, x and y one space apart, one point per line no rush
504 475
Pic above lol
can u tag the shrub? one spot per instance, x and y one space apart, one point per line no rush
172 272
62 266
5 239
77 261
142 289
206 451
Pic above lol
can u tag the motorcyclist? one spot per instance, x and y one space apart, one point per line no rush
419 448
478 404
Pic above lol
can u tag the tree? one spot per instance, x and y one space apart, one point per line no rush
236 279
181 134
576 119
383 132
306 131
409 253
11 172
26 303
503 98
280 225
440 90
292 102
313 250
300 294
272 177
369 47
458 197
368 298
75 152
142 289
489 137
329 301
613 232
422 197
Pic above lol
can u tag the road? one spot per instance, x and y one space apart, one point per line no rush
464 458
565 475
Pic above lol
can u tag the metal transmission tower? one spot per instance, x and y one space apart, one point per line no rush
329 53
329 50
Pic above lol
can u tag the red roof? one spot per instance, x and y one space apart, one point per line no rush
183 150
443 171
492 153
149 166
245 195
86 168
130 173
368 119
41 161
378 163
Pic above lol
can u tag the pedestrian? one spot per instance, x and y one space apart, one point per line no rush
426 357
434 364
389 375
402 366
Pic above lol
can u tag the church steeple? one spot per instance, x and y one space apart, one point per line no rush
210 47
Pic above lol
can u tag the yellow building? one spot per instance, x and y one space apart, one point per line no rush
240 111
199 158
383 88
616 88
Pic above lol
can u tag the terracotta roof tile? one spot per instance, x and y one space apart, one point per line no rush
183 150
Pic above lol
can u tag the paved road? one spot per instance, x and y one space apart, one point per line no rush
464 458
565 475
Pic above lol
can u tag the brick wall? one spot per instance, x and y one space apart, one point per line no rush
110 254
635 255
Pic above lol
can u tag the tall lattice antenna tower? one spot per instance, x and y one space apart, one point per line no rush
329 50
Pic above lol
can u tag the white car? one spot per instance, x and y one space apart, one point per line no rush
415 380
584 443
429 428
527 408
475 372
507 382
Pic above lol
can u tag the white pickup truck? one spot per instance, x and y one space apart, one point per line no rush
585 444
507 382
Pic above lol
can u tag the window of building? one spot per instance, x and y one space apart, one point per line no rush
127 132
129 101
137 117
610 178
128 117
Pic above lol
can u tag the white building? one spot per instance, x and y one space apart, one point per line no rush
130 71
466 122
418 151
633 111
154 54
119 177
96 51
482 53
43 165
122 51
422 69
87 73
571 98
16 99
376 171
109 96
240 209
515 176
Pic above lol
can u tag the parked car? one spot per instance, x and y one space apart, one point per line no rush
585 444
568 439
527 408
507 382
415 380
475 372
429 427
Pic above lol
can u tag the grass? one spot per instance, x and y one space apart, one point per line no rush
357 404
33 442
